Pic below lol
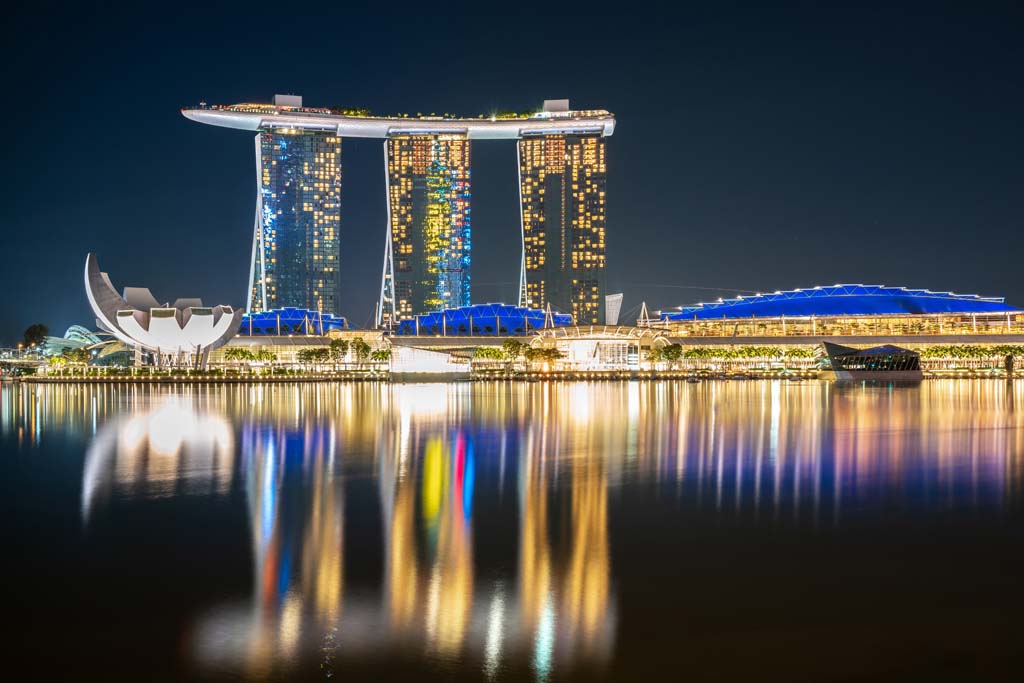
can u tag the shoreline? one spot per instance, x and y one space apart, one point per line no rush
518 377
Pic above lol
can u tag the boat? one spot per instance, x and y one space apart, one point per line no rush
879 363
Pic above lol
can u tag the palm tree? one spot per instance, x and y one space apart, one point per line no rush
381 356
238 354
489 353
58 362
672 354
263 356
542 355
312 357
360 349
512 350
339 350
654 355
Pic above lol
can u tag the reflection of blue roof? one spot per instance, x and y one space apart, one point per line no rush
487 320
290 320
841 300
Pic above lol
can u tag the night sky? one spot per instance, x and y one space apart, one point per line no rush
756 149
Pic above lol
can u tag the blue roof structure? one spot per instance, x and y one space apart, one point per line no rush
488 320
841 300
290 320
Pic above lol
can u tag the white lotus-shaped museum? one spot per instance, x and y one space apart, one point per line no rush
136 318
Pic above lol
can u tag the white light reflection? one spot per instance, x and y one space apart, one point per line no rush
495 632
152 453
544 641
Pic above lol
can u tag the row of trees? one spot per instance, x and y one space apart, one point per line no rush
737 352
239 355
337 352
972 351
665 354
70 357
360 350
513 350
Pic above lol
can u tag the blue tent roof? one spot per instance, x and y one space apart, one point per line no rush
487 320
292 321
841 300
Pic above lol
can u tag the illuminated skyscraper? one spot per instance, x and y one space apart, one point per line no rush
426 264
562 180
295 250
427 247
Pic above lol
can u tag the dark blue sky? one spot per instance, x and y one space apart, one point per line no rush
756 148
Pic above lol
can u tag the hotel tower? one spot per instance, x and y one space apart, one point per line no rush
295 249
562 180
426 265
427 255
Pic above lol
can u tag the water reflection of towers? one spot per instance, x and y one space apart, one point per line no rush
561 606
429 589
296 500
563 596
441 455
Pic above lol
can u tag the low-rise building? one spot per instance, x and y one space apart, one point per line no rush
845 311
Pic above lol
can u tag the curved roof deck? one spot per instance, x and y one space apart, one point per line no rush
256 116
603 332
840 300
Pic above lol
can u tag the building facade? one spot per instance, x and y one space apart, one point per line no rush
296 254
562 184
427 264
182 333
488 320
845 310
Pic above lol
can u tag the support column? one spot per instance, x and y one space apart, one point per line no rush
258 266
522 228
386 305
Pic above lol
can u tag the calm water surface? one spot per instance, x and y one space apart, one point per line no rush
513 532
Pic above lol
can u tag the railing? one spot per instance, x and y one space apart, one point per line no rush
271 109
847 326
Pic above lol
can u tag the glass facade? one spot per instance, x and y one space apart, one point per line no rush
296 252
482 319
562 182
429 206
877 362
290 321
849 325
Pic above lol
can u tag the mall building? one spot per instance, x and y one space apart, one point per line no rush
846 311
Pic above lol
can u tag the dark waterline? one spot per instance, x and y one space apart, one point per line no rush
544 532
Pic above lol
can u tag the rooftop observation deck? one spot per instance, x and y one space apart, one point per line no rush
361 124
